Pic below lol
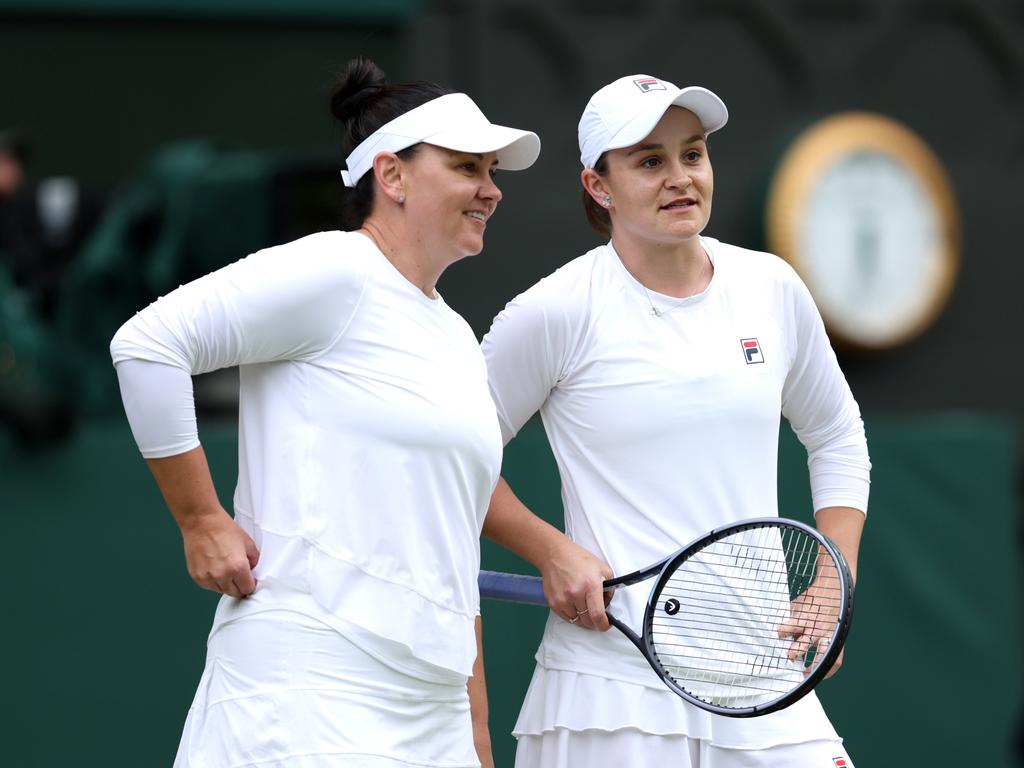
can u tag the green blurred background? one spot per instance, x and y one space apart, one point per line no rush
188 134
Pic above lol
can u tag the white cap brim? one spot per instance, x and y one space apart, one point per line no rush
615 101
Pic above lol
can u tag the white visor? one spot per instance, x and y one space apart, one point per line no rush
451 121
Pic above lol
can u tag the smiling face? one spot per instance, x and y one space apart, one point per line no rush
449 196
661 188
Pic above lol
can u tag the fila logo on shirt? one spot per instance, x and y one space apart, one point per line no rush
648 84
840 762
752 351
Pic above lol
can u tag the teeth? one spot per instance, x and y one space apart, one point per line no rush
477 215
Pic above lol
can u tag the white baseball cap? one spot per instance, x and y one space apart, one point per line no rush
451 121
625 111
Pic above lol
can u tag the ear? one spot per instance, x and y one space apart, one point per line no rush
594 184
389 172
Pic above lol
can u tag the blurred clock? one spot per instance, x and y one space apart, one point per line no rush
863 210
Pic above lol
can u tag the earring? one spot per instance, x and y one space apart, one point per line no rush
607 201
401 198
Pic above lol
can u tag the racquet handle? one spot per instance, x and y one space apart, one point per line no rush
512 587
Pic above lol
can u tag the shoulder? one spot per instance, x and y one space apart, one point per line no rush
567 289
325 260
750 263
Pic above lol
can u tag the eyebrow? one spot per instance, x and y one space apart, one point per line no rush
648 147
478 155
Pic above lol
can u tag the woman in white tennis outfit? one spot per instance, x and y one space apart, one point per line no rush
660 364
368 451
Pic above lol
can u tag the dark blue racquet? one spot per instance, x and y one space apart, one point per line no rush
742 622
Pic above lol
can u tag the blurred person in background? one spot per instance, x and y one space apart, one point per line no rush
660 363
348 630
43 224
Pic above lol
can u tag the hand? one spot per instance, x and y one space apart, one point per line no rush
812 620
220 556
574 586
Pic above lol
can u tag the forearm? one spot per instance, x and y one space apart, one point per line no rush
220 556
843 525
187 486
478 708
573 577
512 525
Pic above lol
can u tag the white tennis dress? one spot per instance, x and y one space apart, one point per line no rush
664 427
368 450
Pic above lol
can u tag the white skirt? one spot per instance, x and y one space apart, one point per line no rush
283 690
578 702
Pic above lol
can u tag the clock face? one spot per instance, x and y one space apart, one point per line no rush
864 213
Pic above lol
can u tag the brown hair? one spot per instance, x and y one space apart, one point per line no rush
597 215
363 101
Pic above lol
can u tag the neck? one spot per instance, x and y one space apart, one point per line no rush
406 253
676 269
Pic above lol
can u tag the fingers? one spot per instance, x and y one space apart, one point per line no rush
221 556
594 616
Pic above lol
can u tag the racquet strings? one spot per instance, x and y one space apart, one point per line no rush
716 627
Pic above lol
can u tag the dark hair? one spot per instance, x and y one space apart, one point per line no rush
597 215
363 101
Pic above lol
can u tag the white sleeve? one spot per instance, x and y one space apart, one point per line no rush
527 351
160 408
281 303
817 401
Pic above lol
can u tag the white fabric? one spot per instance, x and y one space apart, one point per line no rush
563 748
368 445
554 700
452 121
661 429
160 405
282 689
625 111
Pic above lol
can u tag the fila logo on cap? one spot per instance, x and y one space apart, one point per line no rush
752 351
647 84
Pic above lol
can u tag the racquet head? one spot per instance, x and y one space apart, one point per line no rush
747 620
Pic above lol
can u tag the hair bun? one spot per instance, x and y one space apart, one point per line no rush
361 81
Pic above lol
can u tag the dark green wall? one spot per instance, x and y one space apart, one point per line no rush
104 633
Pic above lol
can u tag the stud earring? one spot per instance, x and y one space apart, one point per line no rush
607 201
401 198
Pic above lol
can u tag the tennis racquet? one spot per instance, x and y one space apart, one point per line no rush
742 622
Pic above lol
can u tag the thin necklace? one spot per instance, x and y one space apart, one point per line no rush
660 312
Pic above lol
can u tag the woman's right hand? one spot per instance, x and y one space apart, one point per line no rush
220 556
574 585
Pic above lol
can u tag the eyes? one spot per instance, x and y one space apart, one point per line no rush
689 157
475 168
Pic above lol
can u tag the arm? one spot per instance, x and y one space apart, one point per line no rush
813 614
573 577
477 688
220 556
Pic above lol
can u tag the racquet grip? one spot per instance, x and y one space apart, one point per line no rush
512 587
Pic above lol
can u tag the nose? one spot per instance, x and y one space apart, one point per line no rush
489 189
678 176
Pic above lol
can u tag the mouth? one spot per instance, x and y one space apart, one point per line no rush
478 216
680 203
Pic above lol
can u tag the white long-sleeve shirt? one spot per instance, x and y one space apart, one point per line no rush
666 426
368 444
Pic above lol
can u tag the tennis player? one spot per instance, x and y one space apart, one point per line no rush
368 451
660 363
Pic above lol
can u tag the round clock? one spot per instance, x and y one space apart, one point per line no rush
863 210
